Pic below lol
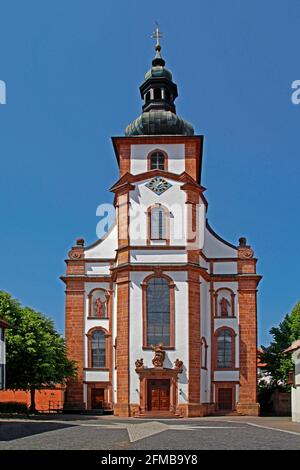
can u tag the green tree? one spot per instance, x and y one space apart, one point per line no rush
36 352
277 364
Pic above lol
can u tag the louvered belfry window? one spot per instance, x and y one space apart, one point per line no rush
158 312
158 224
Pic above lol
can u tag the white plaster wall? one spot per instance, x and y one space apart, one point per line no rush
226 376
205 385
85 395
225 268
158 256
230 322
139 153
214 248
2 349
136 332
296 390
96 269
206 332
104 248
204 264
173 199
96 375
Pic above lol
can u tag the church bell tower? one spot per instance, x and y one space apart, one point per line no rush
161 312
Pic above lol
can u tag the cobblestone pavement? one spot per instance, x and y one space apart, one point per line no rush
108 433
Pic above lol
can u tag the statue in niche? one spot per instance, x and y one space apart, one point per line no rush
159 356
224 304
100 308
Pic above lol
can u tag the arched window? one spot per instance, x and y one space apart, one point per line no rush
157 93
98 342
167 95
158 311
158 222
147 97
157 161
225 349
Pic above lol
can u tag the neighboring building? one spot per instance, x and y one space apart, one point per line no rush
295 379
161 313
3 326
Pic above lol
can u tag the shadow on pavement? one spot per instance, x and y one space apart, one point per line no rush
10 431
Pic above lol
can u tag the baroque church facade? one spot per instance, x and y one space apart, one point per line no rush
161 312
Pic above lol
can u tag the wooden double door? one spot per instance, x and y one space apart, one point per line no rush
97 398
158 394
225 399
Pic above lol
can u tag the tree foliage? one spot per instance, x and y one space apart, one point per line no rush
36 353
278 364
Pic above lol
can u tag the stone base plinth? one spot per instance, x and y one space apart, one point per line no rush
192 410
248 409
70 407
122 409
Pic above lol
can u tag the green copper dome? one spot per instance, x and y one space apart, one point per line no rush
159 113
159 122
157 72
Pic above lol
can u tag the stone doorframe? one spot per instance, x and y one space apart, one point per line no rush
158 373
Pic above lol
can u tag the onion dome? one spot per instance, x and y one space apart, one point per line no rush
159 92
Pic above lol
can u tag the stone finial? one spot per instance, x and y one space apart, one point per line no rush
77 251
242 241
244 250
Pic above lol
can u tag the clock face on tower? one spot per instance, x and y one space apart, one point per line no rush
158 185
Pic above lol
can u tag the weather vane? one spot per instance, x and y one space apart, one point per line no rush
157 35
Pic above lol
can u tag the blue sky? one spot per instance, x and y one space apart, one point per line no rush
72 70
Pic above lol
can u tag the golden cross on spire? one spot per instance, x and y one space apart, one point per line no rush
157 34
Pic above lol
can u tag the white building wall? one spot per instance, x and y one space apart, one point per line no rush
206 333
97 269
2 358
141 198
225 268
157 256
139 153
2 346
105 247
96 376
226 375
214 248
296 389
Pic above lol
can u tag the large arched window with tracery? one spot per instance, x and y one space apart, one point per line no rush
158 315
98 346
